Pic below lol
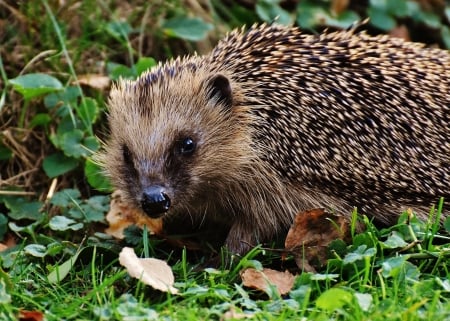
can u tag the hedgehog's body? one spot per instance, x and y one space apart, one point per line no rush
274 121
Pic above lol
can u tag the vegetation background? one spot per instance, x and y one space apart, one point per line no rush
57 62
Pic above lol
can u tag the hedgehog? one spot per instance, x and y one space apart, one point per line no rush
275 121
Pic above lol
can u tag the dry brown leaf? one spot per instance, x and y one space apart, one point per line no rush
400 31
8 242
234 315
339 6
121 215
25 315
95 81
312 232
150 271
263 280
432 5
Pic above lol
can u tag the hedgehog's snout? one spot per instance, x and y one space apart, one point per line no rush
155 202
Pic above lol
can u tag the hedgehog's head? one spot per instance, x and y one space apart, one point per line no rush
177 133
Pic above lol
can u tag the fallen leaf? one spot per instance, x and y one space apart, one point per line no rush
311 233
8 242
339 6
234 315
150 271
121 215
334 298
267 278
25 315
94 80
400 31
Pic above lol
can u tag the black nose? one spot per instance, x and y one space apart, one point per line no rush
155 201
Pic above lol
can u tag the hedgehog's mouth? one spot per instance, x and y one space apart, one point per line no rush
154 201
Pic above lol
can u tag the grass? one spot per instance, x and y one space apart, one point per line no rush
371 279
53 200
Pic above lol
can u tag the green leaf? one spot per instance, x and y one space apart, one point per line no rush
76 212
17 228
395 240
60 272
67 96
70 143
126 306
8 258
55 248
381 19
119 29
3 225
344 20
133 235
117 71
431 19
447 224
323 277
242 15
447 13
62 223
20 208
88 111
197 290
5 297
410 272
359 254
281 306
34 85
445 284
96 208
58 164
6 277
363 239
5 153
65 197
99 203
364 300
379 4
413 9
270 11
392 266
193 29
96 177
36 250
334 298
40 120
445 31
144 64
91 144
397 8
74 144
310 16
67 124
103 312
338 246
300 293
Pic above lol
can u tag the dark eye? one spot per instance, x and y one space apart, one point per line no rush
187 146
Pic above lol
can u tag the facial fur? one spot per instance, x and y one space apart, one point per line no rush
152 117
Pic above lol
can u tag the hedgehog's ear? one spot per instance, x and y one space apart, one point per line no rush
220 89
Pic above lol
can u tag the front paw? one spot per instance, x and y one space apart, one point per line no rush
240 240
